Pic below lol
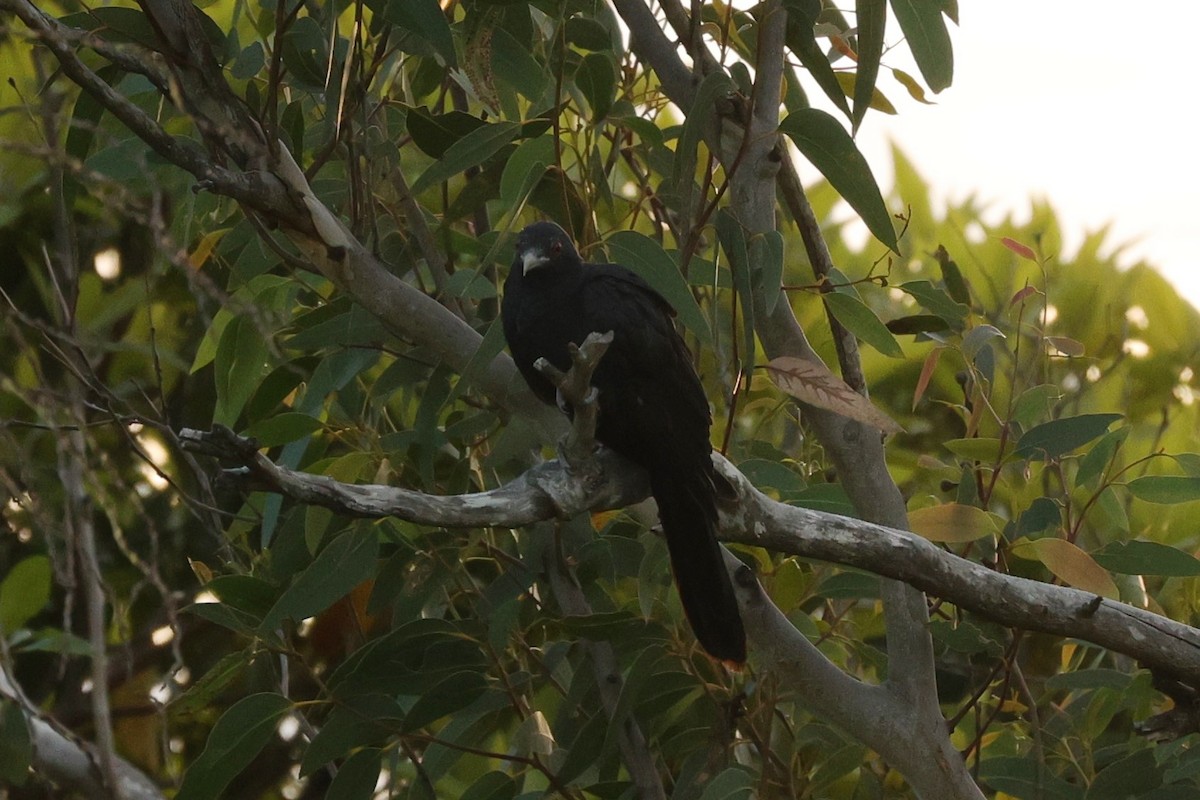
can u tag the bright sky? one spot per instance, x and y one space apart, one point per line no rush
1088 104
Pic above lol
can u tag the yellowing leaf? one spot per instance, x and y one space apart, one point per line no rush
976 448
208 242
1072 565
600 519
879 101
813 383
952 522
915 90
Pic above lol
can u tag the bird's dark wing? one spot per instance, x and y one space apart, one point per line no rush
646 378
653 410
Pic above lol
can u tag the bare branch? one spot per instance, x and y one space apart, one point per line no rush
753 519
577 396
67 761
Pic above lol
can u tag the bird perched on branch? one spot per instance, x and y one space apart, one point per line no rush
653 410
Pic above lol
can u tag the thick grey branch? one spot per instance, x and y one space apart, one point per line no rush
72 763
1158 642
752 518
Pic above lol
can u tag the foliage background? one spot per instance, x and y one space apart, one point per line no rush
286 638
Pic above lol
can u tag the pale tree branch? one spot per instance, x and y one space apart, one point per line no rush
553 490
68 761
856 451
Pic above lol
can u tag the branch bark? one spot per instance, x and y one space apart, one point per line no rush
72 763
555 490
856 450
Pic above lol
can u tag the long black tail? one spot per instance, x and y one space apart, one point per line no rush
688 510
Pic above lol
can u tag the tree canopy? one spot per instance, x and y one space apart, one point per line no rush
283 521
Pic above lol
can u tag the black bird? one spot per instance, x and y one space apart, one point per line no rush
653 410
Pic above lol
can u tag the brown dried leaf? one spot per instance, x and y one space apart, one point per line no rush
813 383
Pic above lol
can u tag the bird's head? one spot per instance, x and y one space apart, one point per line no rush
544 244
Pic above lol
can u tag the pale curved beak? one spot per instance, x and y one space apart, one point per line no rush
532 258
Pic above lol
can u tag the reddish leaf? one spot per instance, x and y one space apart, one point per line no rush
1023 295
927 369
813 383
1024 251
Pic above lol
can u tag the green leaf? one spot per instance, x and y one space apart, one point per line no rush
644 256
304 54
356 778
116 24
917 323
425 19
871 18
1096 460
219 676
738 782
732 236
360 721
1036 404
469 151
766 257
956 284
346 562
597 79
1165 489
1147 558
825 143
1090 679
682 179
1112 509
924 28
16 747
493 785
862 322
1188 462
234 742
1043 514
977 338
1135 775
24 592
935 299
516 66
1061 436
588 34
524 169
435 133
283 428
454 692
801 40
985 450
240 362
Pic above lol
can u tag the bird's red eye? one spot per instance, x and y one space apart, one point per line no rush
556 248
